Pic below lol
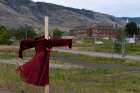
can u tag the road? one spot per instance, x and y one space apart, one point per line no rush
99 54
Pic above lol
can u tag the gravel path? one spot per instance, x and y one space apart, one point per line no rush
89 53
78 64
100 65
61 66
5 91
98 54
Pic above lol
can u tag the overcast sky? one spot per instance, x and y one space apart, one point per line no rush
129 8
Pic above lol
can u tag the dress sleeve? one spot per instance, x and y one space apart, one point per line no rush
50 43
61 42
25 44
39 38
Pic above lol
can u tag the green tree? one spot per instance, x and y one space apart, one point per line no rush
20 33
120 42
12 32
30 32
4 35
25 32
131 29
138 33
57 33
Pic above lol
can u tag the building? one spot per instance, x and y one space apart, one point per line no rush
80 31
95 31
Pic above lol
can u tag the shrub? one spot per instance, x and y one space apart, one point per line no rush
4 35
57 33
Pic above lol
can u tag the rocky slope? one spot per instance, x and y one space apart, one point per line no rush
14 13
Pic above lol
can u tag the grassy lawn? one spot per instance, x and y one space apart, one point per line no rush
88 45
134 48
86 80
76 81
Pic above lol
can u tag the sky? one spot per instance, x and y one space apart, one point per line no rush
119 8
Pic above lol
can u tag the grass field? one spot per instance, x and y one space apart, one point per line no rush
76 81
89 45
82 80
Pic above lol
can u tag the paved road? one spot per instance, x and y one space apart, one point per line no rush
99 54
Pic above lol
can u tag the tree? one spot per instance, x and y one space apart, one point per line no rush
57 33
120 42
12 32
131 29
4 35
20 33
138 33
25 32
30 33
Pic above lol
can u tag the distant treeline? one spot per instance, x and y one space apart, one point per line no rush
11 35
8 36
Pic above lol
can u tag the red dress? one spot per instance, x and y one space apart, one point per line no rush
36 70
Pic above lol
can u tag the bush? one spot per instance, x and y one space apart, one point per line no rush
8 36
25 32
57 33
120 41
4 35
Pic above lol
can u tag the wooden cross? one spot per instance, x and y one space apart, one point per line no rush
36 70
47 37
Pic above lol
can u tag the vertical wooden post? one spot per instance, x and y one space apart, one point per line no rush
46 37
46 27
46 89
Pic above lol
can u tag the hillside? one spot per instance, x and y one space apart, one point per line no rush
14 13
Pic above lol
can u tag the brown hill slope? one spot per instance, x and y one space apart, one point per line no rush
14 13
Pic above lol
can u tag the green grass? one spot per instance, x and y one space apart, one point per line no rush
10 53
88 45
133 48
82 42
76 81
